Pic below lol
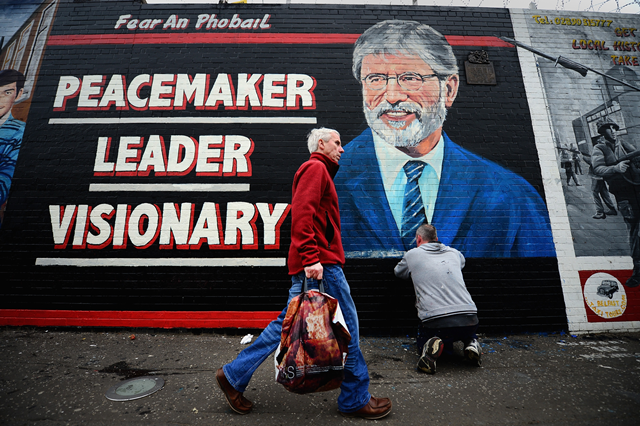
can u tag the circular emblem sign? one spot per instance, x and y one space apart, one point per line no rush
605 295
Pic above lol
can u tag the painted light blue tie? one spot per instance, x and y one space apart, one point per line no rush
413 214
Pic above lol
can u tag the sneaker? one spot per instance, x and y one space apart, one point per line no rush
611 212
473 352
599 216
430 352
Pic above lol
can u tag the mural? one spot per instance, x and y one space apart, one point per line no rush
157 160
20 62
409 78
593 96
11 131
478 206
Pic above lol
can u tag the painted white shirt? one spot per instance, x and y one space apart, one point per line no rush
391 161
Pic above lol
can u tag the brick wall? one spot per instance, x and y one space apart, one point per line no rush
74 164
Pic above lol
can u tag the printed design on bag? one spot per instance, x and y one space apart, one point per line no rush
314 344
316 325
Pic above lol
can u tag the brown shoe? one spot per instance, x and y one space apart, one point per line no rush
236 400
377 408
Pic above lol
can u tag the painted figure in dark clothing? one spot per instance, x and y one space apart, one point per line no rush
576 157
566 161
612 161
600 193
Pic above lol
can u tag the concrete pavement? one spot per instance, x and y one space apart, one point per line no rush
59 377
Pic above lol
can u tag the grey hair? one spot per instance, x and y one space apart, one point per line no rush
395 37
427 232
315 135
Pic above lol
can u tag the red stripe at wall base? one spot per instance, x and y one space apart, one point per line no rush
145 319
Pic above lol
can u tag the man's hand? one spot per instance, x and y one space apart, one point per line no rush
622 166
314 271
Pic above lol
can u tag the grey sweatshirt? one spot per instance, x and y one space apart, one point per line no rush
436 271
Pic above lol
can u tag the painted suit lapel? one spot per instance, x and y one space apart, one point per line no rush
370 210
456 193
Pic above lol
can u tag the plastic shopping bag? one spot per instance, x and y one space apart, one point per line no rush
314 343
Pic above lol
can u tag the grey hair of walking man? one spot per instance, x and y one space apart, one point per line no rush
446 310
315 253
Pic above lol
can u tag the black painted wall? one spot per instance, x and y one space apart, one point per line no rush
56 166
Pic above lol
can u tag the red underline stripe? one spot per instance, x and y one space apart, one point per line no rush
204 38
150 319
243 38
486 41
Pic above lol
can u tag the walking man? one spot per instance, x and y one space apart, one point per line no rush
445 308
577 159
315 252
600 193
566 160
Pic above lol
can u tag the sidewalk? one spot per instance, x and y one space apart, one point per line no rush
60 377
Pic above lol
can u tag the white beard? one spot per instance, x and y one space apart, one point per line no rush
427 121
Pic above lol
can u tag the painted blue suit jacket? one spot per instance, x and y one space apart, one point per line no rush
482 209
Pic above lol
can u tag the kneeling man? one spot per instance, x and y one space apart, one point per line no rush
445 307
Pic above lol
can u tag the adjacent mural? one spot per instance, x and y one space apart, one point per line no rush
11 131
20 63
594 113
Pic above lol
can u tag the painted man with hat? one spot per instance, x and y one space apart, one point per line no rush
606 161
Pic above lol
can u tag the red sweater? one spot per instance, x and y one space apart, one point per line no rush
315 216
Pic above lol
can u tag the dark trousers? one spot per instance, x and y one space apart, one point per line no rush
568 169
630 211
577 166
599 190
449 335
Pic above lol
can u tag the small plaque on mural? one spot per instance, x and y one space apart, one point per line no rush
479 69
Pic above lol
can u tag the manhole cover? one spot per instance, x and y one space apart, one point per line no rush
138 387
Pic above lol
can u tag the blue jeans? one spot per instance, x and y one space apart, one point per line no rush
355 387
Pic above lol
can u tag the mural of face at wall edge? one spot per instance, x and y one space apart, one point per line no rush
477 206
